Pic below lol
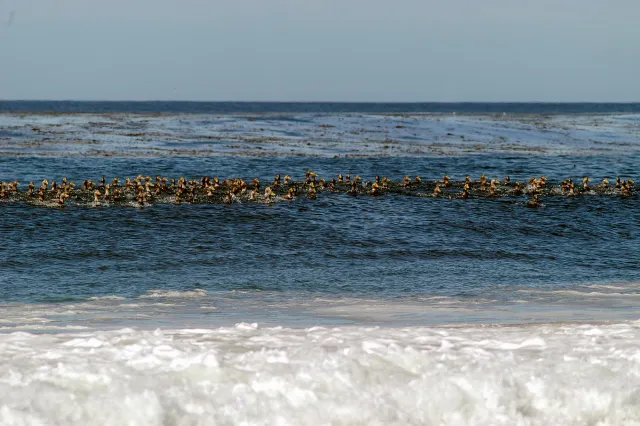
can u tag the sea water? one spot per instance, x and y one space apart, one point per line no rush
340 310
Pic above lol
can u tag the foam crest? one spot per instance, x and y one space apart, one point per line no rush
151 294
247 374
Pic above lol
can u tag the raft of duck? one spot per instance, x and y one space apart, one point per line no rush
143 191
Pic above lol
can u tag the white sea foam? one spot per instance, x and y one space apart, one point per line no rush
174 294
110 297
527 375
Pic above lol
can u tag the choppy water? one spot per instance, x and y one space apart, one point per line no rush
368 310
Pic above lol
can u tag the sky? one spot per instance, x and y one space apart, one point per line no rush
321 50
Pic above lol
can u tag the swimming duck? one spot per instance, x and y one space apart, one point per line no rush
585 182
534 202
493 188
353 191
516 189
62 199
340 178
436 190
375 189
268 193
605 183
507 180
312 194
228 198
625 190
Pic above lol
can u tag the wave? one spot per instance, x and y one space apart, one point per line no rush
110 297
247 374
174 294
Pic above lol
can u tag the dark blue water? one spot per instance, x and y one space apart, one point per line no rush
391 247
317 107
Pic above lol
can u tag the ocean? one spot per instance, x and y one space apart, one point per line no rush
409 307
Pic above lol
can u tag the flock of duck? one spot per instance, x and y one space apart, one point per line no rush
143 191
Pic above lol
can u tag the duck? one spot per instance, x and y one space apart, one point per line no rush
534 202
353 191
268 193
290 195
605 183
228 198
312 194
625 190
507 180
516 189
493 189
64 196
585 182
446 179
375 189
437 191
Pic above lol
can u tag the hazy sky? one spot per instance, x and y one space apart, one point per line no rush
342 50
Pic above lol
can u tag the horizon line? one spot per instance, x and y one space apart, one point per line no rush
318 102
